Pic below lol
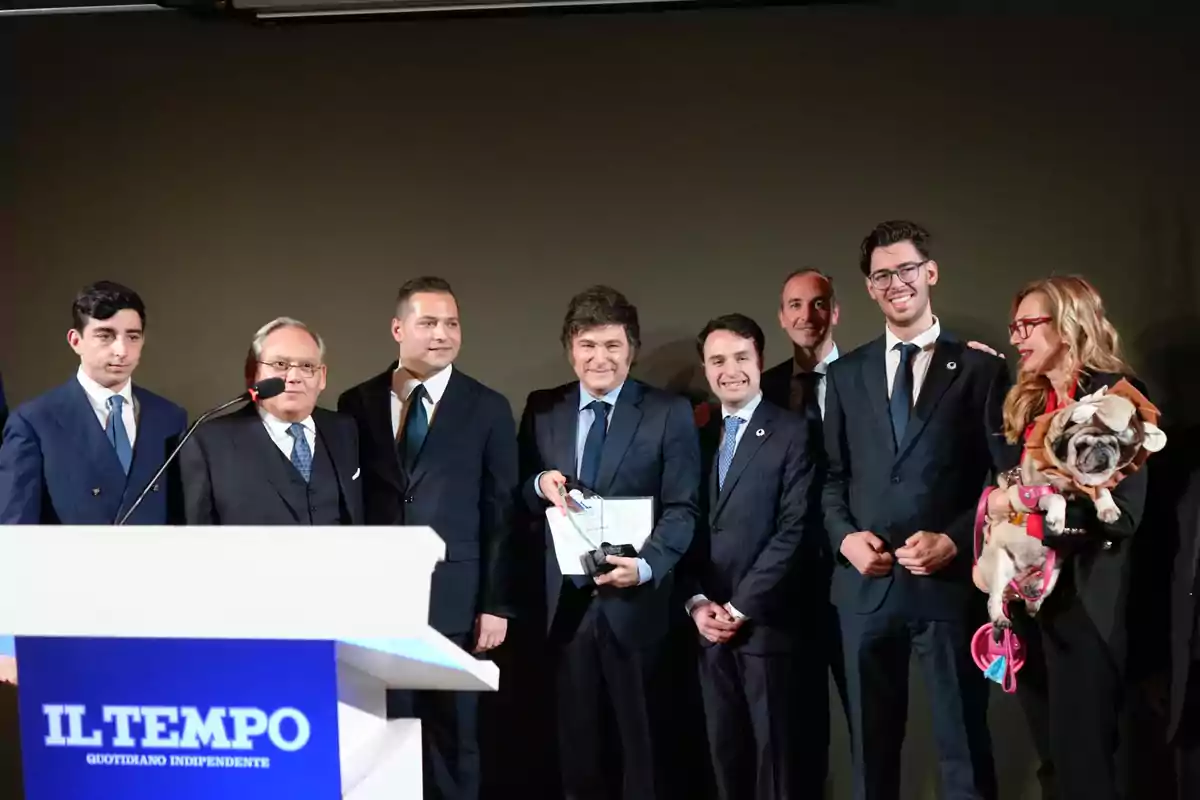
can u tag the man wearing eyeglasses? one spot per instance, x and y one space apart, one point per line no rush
911 420
283 461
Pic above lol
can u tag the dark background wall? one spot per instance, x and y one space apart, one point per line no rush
232 174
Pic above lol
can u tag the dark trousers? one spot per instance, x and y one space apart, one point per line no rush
755 716
1187 739
878 648
449 736
604 723
1071 692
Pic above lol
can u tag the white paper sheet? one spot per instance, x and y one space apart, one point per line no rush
617 520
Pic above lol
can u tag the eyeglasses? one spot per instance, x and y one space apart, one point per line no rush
882 279
281 367
1024 326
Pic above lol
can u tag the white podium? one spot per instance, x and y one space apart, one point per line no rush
239 662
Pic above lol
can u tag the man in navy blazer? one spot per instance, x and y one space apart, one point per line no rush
617 437
749 601
912 422
439 448
80 454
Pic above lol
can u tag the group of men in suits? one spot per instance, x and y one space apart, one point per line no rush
852 479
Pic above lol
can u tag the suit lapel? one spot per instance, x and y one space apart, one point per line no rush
253 439
875 380
943 369
627 415
148 452
746 449
564 425
339 453
448 416
377 405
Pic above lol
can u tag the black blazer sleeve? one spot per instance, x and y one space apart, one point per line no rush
757 590
999 455
835 498
198 507
529 459
672 535
497 496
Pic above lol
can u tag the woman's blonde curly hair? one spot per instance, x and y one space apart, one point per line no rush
1090 340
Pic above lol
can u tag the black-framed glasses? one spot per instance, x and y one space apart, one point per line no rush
1024 326
281 367
907 273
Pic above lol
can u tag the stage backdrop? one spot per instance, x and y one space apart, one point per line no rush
233 173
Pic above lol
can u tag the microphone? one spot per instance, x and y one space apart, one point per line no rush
263 390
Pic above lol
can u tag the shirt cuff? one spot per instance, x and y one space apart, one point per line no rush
692 601
537 484
644 571
734 612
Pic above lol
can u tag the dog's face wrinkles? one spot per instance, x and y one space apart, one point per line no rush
1093 457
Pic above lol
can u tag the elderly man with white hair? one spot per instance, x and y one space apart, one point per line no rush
283 460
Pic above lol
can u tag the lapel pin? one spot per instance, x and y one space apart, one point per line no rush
951 365
759 432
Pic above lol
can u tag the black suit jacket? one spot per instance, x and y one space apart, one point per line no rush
776 384
463 486
233 475
932 481
750 541
1179 518
651 450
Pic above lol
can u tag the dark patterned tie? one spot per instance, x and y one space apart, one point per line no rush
302 457
416 427
593 445
805 397
115 430
901 400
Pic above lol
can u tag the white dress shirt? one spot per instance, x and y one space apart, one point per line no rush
920 366
822 367
98 397
403 384
277 429
744 413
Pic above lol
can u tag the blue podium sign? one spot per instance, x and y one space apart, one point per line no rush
185 719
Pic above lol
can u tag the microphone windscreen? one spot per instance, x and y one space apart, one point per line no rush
266 389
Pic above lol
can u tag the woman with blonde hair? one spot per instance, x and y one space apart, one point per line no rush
1071 686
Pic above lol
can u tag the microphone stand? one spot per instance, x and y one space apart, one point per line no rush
241 398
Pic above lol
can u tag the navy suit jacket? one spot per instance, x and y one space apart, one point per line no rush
651 450
932 481
58 467
757 528
3 410
463 486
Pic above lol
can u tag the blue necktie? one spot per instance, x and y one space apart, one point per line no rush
416 427
114 428
900 403
301 453
728 446
593 445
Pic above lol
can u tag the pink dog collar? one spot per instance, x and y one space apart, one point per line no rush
1029 495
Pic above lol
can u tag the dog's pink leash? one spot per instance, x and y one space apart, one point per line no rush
991 643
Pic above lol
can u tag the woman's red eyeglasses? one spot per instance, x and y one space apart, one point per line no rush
1022 327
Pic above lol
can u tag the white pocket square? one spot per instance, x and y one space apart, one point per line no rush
354 477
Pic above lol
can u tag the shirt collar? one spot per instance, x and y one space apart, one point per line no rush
746 411
923 340
822 367
99 394
610 398
280 427
435 384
